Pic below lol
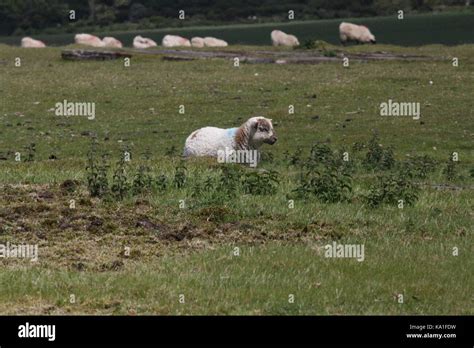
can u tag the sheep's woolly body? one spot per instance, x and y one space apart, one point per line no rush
213 42
207 42
111 42
353 32
89 40
197 42
29 42
143 42
208 141
175 41
280 38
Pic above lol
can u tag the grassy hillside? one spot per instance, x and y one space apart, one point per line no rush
136 248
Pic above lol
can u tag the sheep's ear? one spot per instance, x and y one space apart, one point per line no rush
255 125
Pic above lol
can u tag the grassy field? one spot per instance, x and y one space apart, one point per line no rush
135 249
449 28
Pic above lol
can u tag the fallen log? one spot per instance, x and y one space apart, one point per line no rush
257 60
93 55
285 57
177 58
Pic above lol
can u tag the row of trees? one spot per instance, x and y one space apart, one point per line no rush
22 16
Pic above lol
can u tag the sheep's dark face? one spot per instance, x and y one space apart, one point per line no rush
264 132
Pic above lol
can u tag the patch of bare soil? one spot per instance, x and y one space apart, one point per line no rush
78 232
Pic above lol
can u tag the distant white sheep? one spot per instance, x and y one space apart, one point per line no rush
280 38
28 42
211 141
175 41
197 42
111 42
357 33
88 40
213 42
142 42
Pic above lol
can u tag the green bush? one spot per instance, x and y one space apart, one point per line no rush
450 170
96 173
179 179
120 186
378 157
294 158
229 181
161 182
390 188
322 157
260 182
418 166
142 180
329 185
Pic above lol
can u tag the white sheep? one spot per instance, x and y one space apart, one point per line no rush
28 42
143 42
88 40
280 38
175 41
197 42
111 42
354 32
213 42
213 141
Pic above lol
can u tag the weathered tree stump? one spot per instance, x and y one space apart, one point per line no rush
93 55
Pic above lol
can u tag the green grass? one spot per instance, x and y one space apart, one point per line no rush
189 251
259 281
